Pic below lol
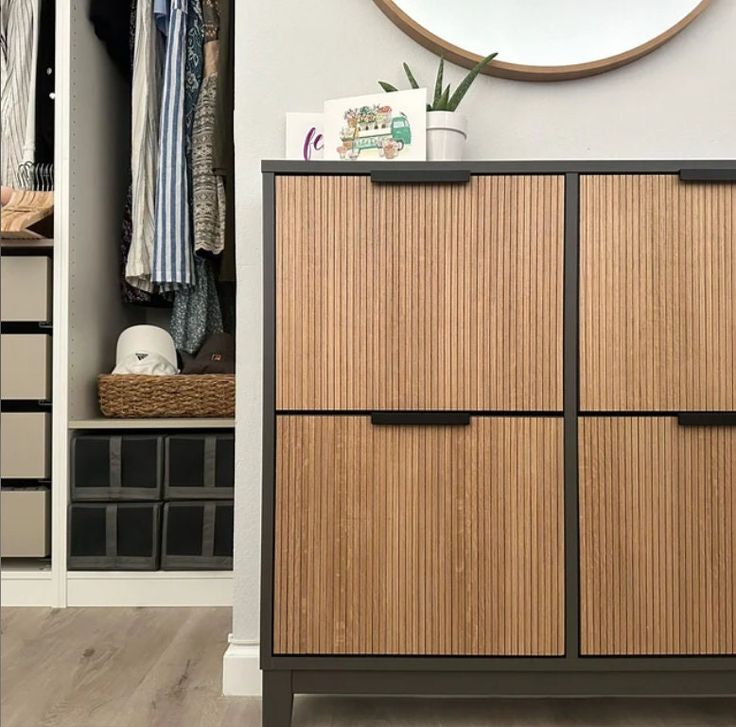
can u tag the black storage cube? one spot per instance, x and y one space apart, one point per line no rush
199 467
112 467
197 535
114 536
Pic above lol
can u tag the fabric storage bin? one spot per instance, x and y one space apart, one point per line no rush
106 467
24 522
199 466
25 288
114 536
197 536
24 445
25 366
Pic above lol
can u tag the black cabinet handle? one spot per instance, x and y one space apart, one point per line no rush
708 175
707 419
420 176
420 418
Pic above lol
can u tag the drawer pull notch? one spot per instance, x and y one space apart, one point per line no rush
707 419
420 418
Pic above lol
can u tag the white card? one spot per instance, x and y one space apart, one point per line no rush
377 127
304 136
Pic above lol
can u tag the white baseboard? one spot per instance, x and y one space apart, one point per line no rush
149 588
28 588
241 672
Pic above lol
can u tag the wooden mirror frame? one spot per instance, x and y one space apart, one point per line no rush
520 72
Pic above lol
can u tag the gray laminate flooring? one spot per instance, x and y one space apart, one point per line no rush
146 667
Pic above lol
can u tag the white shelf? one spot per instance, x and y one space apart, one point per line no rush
194 423
149 588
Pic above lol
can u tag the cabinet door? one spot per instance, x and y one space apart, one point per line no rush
431 296
657 537
658 313
418 540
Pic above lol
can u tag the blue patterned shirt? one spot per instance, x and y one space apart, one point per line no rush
172 249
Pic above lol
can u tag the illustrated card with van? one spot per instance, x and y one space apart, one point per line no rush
377 127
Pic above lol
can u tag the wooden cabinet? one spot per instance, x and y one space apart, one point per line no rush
438 517
430 296
443 540
657 537
657 285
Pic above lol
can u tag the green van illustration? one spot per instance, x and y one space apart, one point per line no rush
374 127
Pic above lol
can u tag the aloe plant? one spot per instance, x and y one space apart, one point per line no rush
444 99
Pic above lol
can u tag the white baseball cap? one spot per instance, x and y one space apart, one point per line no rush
145 350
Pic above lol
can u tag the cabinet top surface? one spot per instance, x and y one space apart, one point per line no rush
611 166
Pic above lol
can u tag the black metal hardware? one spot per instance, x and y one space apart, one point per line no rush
420 418
420 176
708 175
707 419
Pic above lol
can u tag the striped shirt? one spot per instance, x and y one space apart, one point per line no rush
172 248
18 51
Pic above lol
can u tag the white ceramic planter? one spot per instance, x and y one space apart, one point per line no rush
446 135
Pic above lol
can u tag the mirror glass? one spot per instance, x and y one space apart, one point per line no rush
547 32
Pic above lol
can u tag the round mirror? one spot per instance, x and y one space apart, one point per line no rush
543 39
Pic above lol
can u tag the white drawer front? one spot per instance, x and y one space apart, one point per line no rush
24 445
25 366
24 526
25 294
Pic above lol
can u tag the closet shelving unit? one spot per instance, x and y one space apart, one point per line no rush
91 173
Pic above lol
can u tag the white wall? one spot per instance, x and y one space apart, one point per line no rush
679 102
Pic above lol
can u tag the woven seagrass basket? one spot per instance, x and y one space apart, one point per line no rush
131 396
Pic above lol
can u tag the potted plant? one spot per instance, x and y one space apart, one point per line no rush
446 129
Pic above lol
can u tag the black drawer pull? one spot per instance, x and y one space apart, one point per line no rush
707 419
708 175
420 176
420 418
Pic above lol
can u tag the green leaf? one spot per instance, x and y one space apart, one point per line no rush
412 81
438 82
387 87
462 89
441 105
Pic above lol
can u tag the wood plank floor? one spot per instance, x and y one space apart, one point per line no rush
145 667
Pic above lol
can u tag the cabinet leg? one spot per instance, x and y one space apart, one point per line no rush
277 699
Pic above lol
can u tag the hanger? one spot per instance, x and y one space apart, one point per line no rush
30 209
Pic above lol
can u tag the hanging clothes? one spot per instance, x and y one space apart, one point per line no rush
29 141
131 294
18 54
145 105
193 69
115 26
196 313
224 161
172 250
208 189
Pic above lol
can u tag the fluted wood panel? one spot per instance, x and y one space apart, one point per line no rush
657 538
658 275
418 540
419 296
